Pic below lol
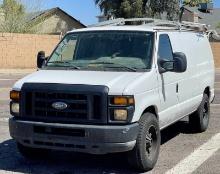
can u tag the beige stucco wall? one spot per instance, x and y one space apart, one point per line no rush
56 23
216 53
20 50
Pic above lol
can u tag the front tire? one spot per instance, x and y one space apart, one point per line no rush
146 151
199 120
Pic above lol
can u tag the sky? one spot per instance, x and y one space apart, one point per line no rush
84 10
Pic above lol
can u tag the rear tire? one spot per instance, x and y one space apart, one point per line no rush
199 120
146 151
32 153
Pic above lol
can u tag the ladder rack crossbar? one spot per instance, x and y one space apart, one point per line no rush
190 26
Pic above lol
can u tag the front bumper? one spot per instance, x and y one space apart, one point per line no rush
91 139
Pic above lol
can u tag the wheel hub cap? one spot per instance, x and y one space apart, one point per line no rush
151 141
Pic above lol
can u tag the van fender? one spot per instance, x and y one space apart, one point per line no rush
145 100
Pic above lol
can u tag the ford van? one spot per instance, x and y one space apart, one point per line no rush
113 88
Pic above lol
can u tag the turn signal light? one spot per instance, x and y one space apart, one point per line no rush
120 100
15 95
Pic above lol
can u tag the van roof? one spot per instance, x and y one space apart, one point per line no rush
117 28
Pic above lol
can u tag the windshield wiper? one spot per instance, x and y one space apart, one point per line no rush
117 65
65 62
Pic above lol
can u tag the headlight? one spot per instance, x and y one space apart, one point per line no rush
120 114
15 107
121 109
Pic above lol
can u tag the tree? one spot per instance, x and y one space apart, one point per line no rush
193 3
131 9
109 6
173 10
140 8
14 15
156 8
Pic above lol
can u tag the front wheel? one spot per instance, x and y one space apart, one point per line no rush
146 151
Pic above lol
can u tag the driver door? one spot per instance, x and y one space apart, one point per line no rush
168 84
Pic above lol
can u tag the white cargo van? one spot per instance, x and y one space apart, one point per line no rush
112 88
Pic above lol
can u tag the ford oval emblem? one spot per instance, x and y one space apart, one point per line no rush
59 105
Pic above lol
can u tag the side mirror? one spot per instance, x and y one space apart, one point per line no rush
178 65
165 65
180 62
41 59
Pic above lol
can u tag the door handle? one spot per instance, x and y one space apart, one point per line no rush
177 88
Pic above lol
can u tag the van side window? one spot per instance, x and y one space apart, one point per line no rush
165 50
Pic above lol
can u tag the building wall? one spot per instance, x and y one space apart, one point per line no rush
216 53
56 23
189 16
20 50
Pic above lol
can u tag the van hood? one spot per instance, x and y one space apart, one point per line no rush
115 81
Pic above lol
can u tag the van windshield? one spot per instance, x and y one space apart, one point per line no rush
104 50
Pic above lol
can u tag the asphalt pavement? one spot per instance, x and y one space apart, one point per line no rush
182 151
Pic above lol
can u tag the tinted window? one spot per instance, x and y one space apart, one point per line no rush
165 49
